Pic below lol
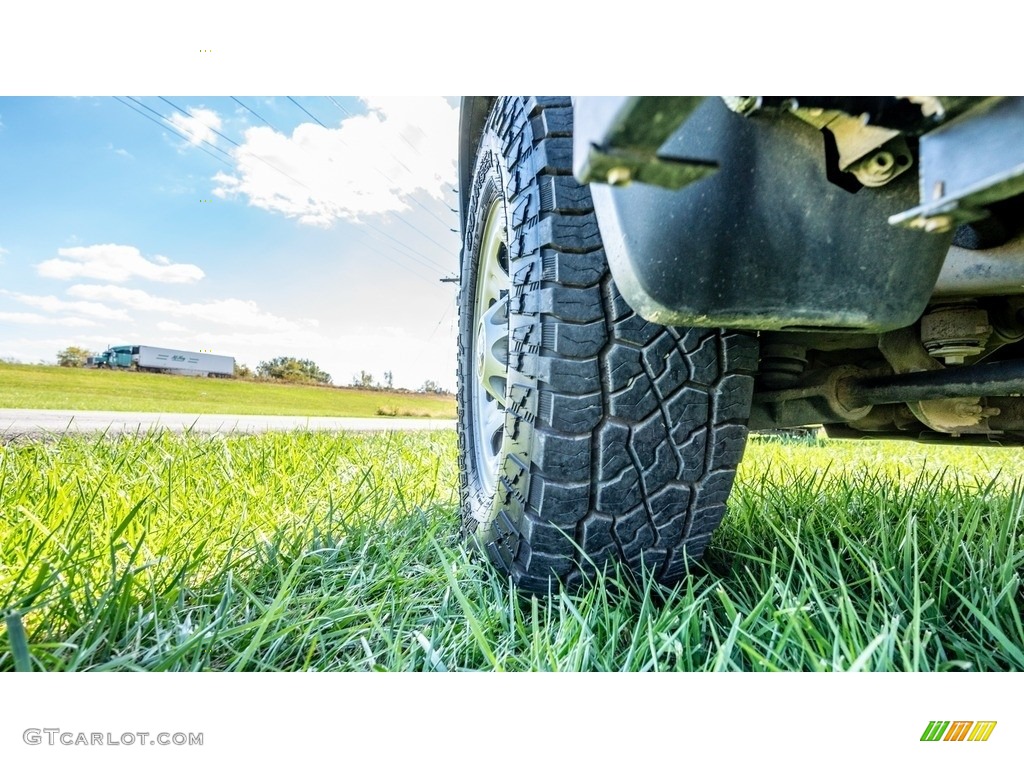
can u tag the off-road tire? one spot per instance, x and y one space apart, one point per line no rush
620 437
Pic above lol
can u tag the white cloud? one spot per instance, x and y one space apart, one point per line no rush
118 263
30 318
230 312
163 325
53 304
119 151
3 252
369 165
198 126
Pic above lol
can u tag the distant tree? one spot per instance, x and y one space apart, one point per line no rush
72 357
242 371
389 380
364 379
433 388
292 369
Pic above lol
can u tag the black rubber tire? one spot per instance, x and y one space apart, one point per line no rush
621 436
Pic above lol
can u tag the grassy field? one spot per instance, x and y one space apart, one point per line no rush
37 386
339 552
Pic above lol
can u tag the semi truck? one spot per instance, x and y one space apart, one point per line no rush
160 360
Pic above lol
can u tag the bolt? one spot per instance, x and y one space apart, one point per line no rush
884 161
938 224
619 176
953 359
877 169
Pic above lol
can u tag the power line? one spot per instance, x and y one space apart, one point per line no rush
417 257
423 350
165 122
395 261
412 146
402 219
246 151
378 170
443 316
397 215
401 264
407 168
169 128
242 149
314 117
186 112
335 103
337 138
262 119
168 122
413 254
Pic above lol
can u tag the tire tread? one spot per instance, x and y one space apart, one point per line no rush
631 431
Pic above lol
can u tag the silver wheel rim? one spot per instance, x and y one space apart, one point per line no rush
489 354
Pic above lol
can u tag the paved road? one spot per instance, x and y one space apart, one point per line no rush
17 422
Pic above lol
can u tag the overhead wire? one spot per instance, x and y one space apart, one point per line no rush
402 264
314 117
415 254
382 173
393 157
418 255
235 143
165 122
412 146
407 168
172 130
411 253
262 119
187 112
423 350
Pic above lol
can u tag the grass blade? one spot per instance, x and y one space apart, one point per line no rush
19 642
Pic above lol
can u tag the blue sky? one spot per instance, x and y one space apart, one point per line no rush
316 227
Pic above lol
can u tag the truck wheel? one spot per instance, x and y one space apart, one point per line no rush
587 435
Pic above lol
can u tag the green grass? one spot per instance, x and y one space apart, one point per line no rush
36 386
339 552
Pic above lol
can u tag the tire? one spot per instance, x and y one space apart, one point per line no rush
587 435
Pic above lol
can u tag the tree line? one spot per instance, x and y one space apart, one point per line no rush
290 369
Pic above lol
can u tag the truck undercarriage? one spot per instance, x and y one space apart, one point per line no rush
864 239
713 265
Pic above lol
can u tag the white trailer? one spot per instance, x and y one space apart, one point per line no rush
182 362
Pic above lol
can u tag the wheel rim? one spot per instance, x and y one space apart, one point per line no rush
489 355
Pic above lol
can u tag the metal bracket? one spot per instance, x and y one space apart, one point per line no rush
617 141
975 159
874 155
